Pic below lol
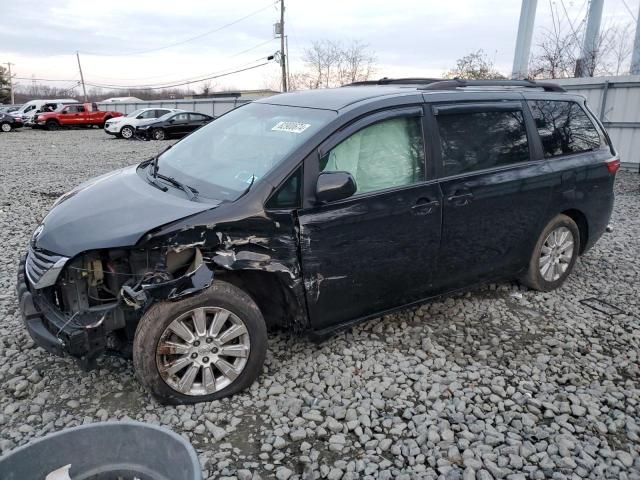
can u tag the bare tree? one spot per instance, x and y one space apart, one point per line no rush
474 66
4 85
333 64
559 48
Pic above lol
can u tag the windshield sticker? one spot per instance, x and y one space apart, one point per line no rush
291 127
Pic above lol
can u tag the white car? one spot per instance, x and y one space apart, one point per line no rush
125 126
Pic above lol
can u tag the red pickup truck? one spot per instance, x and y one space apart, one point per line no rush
80 114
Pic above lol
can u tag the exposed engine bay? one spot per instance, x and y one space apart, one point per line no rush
101 295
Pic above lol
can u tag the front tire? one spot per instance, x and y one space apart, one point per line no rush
554 255
203 348
6 127
126 132
158 134
52 125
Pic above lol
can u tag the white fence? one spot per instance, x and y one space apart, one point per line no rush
616 100
213 107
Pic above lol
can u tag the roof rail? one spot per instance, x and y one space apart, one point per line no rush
460 83
395 81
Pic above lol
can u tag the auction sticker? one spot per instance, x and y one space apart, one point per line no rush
291 127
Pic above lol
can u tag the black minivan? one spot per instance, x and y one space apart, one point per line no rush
312 211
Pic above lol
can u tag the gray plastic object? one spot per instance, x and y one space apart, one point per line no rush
105 451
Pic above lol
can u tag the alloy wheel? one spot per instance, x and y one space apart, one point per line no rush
126 132
158 134
6 127
203 351
556 254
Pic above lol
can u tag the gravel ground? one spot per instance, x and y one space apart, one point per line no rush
497 383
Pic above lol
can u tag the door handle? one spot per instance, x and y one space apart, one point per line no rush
460 198
424 206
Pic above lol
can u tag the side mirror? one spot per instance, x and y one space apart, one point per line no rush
64 112
332 186
172 120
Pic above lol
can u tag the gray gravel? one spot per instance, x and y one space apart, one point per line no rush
497 383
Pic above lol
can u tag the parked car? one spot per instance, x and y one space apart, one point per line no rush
313 211
8 122
8 109
36 106
81 115
125 126
30 118
172 125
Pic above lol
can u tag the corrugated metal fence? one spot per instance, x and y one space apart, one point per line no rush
616 100
214 107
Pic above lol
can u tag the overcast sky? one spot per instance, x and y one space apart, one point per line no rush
409 37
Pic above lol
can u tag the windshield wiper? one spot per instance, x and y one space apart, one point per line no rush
154 161
190 191
253 179
152 180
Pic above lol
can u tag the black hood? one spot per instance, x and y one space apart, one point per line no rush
114 210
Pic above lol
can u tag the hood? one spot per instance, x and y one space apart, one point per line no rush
149 121
114 210
117 119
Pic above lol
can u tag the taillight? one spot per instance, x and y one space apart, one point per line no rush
613 165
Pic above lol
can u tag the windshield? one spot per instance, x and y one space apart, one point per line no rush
222 159
135 113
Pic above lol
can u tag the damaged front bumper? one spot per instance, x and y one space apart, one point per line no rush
87 332
54 331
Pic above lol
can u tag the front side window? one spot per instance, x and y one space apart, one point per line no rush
384 155
148 114
471 141
288 195
564 127
181 117
225 156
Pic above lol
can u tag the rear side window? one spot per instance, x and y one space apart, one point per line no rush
564 128
479 140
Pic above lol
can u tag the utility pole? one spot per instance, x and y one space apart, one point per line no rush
635 57
84 89
13 100
586 63
523 42
283 55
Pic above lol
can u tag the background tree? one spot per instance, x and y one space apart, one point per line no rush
333 64
5 92
558 49
474 66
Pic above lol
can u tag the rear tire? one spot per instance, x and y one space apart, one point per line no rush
554 255
157 347
6 127
158 134
52 125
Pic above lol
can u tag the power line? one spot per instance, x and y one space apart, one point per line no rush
217 29
164 75
629 10
179 84
191 79
160 76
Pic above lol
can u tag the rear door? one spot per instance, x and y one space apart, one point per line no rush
495 187
196 120
178 124
377 249
577 149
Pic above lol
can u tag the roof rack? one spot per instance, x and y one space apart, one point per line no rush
460 83
440 84
395 81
